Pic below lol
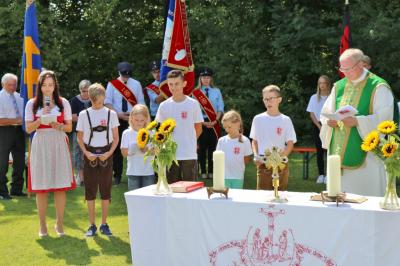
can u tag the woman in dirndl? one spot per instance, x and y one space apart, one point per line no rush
50 167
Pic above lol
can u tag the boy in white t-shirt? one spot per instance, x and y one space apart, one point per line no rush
237 149
187 114
98 137
140 173
269 129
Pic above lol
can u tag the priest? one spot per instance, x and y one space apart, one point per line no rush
371 95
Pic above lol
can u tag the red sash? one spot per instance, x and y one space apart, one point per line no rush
153 88
208 109
125 91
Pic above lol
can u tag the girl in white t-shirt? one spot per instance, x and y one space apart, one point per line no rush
237 149
314 108
139 172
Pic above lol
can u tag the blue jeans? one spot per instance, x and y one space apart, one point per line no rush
135 181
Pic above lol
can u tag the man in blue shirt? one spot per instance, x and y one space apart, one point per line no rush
153 91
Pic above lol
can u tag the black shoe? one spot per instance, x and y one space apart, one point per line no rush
117 181
5 197
18 194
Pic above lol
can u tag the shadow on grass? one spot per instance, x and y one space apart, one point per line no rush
18 206
71 250
114 246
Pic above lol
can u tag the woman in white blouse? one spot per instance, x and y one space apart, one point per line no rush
314 107
50 167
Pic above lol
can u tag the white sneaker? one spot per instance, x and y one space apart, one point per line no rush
320 179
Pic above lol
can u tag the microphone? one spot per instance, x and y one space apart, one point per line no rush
47 101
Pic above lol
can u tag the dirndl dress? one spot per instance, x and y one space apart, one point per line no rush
50 165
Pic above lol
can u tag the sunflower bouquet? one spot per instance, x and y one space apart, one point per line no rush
163 149
384 143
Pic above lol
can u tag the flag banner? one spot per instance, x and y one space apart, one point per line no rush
31 59
176 52
345 42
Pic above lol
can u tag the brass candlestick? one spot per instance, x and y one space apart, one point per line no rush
340 197
276 161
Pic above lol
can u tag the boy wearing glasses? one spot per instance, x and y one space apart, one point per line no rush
98 138
269 129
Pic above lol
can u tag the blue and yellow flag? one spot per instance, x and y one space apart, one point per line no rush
31 59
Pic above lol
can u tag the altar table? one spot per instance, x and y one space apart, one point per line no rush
188 229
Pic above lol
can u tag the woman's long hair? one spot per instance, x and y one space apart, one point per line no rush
327 79
39 94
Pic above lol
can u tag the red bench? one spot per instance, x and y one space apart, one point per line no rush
308 154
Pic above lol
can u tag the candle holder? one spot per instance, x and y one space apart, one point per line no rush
277 198
211 190
340 197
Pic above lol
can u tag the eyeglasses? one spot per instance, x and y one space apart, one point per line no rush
271 98
349 68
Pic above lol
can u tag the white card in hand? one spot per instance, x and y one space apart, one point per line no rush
341 113
47 119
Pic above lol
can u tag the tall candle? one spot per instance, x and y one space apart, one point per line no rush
333 175
219 170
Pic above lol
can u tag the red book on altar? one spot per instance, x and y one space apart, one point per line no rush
186 186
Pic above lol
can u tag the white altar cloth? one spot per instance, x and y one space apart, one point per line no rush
188 229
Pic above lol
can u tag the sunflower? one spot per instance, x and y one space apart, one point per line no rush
371 141
167 126
142 137
389 149
160 137
152 125
387 127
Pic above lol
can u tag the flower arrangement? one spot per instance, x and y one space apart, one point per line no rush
384 143
163 148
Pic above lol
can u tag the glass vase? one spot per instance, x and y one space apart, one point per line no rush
162 186
390 200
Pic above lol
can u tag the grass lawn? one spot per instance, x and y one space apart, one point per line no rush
19 225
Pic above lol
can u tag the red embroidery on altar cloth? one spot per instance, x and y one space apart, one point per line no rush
183 114
261 246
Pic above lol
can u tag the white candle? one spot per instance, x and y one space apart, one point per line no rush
333 175
219 170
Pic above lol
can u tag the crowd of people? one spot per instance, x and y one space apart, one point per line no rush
105 123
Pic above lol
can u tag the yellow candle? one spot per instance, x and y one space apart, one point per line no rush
333 175
219 170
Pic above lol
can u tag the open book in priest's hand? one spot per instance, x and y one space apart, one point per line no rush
341 113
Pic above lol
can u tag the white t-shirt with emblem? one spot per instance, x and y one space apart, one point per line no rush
135 162
270 131
235 151
186 114
98 118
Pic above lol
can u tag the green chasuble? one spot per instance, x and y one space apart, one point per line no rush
346 142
